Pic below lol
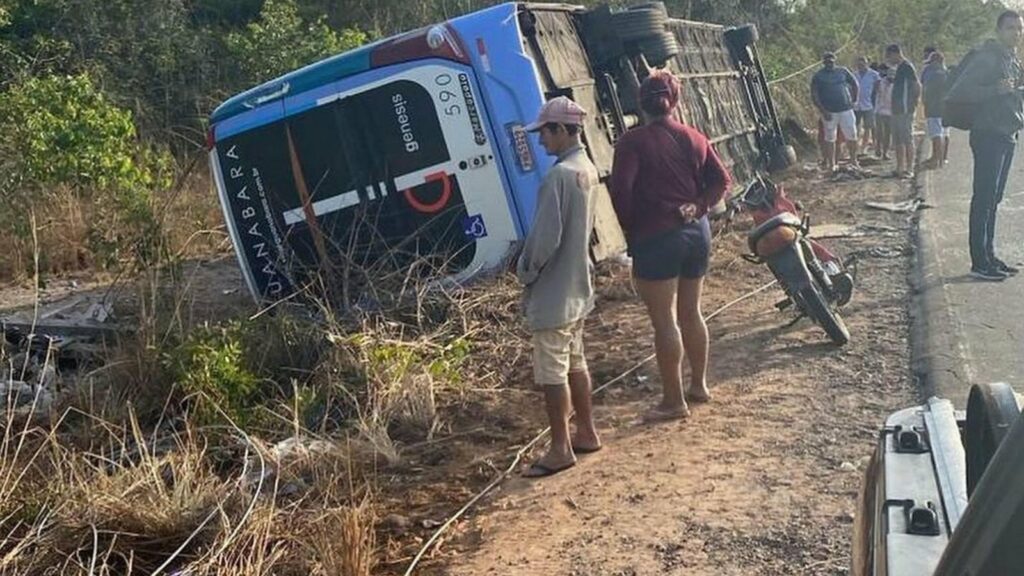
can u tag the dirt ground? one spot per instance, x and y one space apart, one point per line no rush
763 480
209 289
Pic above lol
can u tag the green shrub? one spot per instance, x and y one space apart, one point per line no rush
64 139
210 367
62 130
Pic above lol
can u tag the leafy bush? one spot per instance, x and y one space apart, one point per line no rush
63 130
210 366
281 41
64 138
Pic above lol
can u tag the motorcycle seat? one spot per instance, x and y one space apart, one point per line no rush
784 219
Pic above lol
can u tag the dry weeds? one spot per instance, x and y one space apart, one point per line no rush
120 477
123 481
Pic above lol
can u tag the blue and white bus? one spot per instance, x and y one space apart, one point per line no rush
411 151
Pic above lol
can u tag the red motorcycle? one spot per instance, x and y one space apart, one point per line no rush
815 279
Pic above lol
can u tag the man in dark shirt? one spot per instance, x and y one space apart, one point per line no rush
933 90
906 91
834 90
990 84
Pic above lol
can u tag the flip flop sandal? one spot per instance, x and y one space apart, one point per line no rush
538 470
580 450
654 416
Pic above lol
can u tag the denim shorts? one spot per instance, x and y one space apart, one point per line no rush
682 252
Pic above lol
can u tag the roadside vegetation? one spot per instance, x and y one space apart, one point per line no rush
249 444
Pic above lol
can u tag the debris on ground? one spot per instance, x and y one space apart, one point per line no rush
904 207
46 350
290 467
851 231
850 173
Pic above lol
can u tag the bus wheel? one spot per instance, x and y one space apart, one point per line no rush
638 24
656 6
659 49
742 36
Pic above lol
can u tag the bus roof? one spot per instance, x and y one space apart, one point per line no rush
330 69
316 74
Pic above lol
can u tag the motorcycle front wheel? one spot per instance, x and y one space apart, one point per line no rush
815 306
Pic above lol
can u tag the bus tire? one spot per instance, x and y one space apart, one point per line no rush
781 157
638 24
658 6
742 36
659 49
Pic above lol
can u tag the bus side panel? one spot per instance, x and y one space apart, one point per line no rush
513 98
397 162
713 98
243 191
565 69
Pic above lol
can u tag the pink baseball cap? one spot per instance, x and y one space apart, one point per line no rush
559 110
660 83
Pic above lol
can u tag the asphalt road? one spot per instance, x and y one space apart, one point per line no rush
968 331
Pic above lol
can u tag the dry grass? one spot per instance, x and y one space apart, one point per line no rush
343 541
125 480
137 511
69 241
114 493
400 367
141 509
260 547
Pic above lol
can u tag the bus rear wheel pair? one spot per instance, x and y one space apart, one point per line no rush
643 29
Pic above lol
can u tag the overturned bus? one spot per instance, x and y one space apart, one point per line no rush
410 155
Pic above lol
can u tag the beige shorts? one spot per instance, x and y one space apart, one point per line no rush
556 353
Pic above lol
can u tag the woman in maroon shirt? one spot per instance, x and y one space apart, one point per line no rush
665 179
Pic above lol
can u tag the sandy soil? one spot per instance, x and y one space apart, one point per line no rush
763 480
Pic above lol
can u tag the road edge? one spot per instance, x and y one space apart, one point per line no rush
936 358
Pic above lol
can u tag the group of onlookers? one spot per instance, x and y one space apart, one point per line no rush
983 93
874 106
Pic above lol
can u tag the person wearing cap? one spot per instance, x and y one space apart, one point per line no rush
554 267
906 90
834 90
665 179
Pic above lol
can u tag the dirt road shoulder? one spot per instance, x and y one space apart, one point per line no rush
762 480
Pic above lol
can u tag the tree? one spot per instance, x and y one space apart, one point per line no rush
281 41
62 134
